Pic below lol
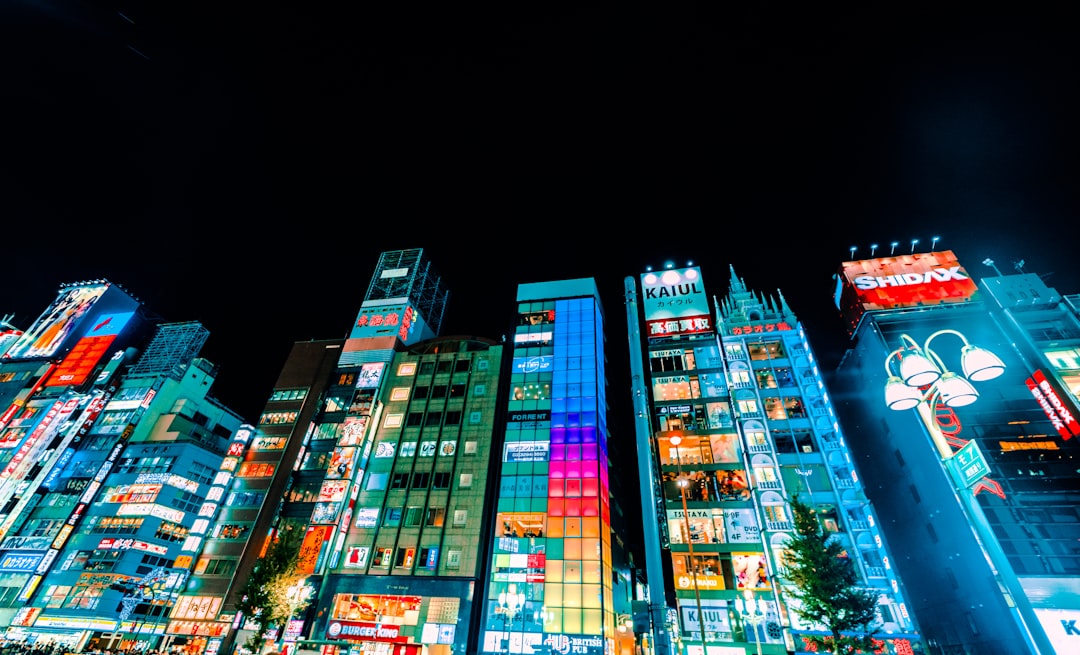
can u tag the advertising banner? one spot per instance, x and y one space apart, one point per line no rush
526 451
57 324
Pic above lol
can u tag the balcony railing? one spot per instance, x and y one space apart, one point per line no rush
875 571
759 448
845 483
769 485
777 526
859 525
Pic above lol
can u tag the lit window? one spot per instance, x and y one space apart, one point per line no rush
407 368
399 393
393 420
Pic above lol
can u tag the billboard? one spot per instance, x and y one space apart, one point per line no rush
59 322
91 348
400 320
907 281
675 303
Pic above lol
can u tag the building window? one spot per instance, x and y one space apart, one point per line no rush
231 531
470 447
399 481
766 350
461 516
421 393
440 480
412 516
445 366
462 365
392 516
288 394
382 558
404 558
256 470
393 420
433 418
421 480
457 390
207 566
399 393
168 531
435 517
278 418
406 369
479 390
84 597
429 558
475 417
465 481
453 418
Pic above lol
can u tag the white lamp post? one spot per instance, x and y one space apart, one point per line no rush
511 602
675 440
752 613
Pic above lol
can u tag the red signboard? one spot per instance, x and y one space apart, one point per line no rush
916 280
1058 413
80 362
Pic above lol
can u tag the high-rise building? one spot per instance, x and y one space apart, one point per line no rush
960 401
551 579
109 449
454 492
734 420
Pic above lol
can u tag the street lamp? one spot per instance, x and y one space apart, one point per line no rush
675 440
921 375
751 612
511 603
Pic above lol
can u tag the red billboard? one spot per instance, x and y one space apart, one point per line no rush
89 350
916 280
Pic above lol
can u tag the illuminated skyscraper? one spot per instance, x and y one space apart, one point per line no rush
734 420
551 578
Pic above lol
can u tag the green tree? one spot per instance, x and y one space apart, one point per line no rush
826 585
270 597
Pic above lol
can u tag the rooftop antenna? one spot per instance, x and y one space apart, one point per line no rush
4 322
1019 266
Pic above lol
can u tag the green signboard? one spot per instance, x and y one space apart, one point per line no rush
968 465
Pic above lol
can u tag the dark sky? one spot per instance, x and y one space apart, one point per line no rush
244 167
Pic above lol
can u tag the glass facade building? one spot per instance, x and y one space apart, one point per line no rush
550 579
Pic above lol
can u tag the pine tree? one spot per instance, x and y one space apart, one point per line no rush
825 582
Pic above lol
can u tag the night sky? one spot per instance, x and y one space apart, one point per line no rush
244 168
